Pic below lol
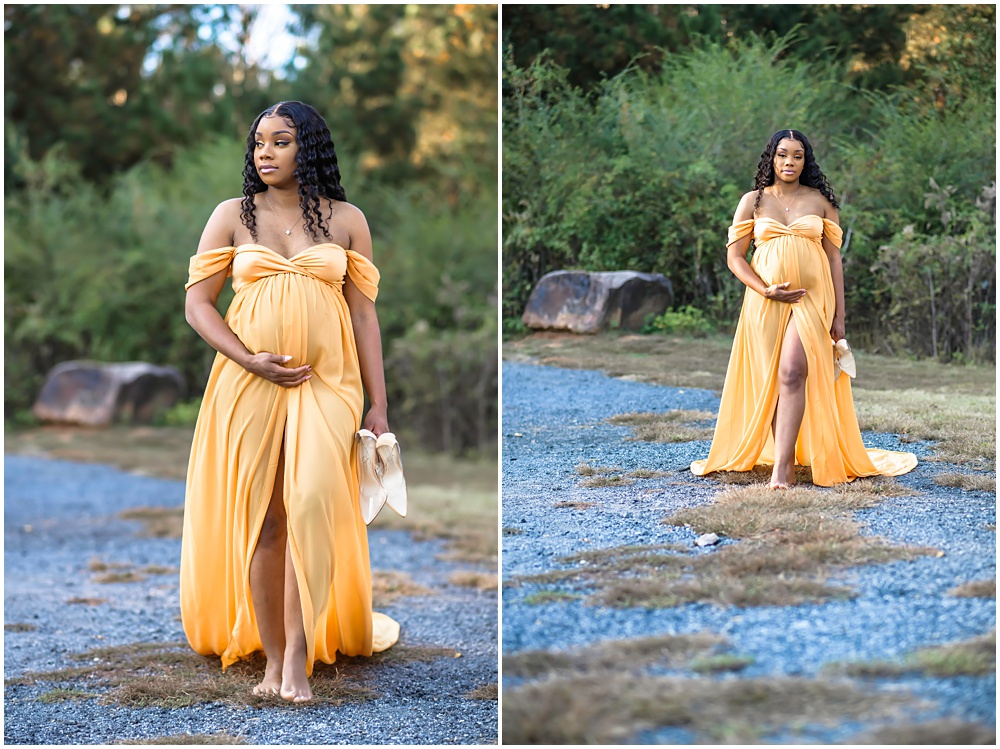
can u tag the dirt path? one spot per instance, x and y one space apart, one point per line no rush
66 544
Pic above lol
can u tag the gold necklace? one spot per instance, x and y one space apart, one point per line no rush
775 194
289 229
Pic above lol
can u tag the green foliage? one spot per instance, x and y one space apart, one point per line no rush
101 276
645 172
183 414
686 321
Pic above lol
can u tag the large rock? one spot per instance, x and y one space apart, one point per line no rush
96 394
584 302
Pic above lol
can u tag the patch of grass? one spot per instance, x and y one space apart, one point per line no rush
63 695
962 426
387 586
668 427
150 674
98 565
791 542
975 657
186 739
970 482
714 664
610 708
158 522
975 589
509 530
452 500
485 692
472 579
156 569
573 505
88 601
953 732
597 482
19 627
613 655
120 577
550 596
645 473
585 469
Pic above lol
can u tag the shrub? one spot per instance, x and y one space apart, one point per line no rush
687 320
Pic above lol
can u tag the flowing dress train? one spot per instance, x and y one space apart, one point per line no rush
295 307
829 439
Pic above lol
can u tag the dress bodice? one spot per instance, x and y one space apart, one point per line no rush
810 227
248 263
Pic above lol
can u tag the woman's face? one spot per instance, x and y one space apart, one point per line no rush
789 160
274 151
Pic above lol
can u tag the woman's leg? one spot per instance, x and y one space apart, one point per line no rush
294 683
792 370
267 583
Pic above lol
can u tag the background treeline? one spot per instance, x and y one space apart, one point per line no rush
613 160
126 125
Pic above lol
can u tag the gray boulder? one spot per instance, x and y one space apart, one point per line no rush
93 393
589 302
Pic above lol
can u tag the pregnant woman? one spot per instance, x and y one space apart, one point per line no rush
781 403
275 552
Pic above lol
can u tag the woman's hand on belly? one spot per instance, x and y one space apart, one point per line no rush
271 368
779 292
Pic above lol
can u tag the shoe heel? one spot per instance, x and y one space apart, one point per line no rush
371 495
392 472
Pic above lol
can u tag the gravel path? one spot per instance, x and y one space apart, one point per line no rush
554 419
58 516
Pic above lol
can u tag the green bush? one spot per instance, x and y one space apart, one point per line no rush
645 173
687 320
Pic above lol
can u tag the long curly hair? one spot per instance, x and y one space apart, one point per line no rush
811 175
316 166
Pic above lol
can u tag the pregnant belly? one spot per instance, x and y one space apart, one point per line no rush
290 316
802 264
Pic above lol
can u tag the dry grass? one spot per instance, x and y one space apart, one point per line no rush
550 596
120 577
645 473
387 586
97 565
613 655
485 692
186 739
156 569
672 426
88 601
170 675
609 707
19 627
472 579
65 695
791 542
953 732
722 663
585 469
970 482
975 657
157 522
597 482
975 589
573 505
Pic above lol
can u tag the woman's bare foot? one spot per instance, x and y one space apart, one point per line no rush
782 478
271 684
294 683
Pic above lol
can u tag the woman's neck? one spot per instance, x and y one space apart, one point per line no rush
283 198
786 191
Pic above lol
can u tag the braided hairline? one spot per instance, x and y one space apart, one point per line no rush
811 175
316 168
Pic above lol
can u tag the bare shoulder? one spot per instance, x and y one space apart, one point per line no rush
221 226
348 213
829 211
350 218
745 210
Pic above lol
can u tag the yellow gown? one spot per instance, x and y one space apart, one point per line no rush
829 439
294 307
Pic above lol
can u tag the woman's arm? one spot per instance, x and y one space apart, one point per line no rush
202 314
837 272
736 258
367 334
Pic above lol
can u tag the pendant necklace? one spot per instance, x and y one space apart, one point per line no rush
775 194
289 229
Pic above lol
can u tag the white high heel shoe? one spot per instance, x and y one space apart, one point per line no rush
393 482
372 495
